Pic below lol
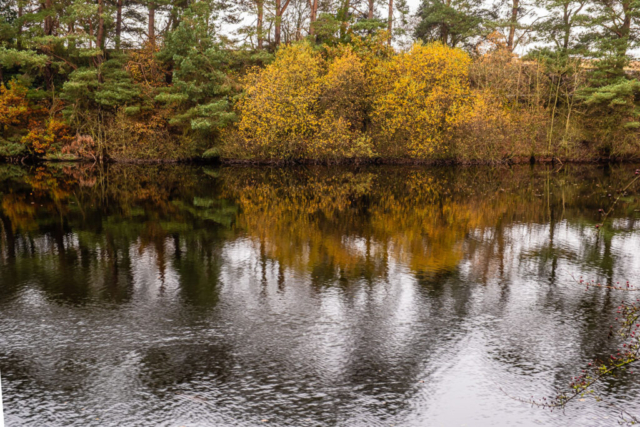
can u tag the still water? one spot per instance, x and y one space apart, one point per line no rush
310 296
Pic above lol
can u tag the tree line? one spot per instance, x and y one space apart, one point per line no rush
353 78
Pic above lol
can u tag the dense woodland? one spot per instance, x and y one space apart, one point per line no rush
319 80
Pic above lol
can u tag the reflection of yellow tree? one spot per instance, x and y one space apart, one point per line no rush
338 221
47 192
355 222
45 183
426 217
425 228
300 218
19 211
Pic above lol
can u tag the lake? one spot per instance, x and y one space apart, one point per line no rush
167 295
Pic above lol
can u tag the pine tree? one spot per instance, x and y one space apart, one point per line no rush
201 86
452 22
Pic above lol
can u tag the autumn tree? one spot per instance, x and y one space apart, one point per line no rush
421 96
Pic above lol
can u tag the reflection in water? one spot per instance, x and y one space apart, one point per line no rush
171 295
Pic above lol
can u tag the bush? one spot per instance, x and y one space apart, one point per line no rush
300 106
279 107
421 97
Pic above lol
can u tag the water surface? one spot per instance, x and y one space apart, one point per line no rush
310 296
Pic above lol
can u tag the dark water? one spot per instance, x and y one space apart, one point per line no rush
188 296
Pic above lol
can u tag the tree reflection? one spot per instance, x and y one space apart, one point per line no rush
335 224
304 285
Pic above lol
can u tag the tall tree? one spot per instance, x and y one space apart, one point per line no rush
256 29
48 32
452 22
513 24
152 23
612 31
390 20
313 14
516 19
280 9
100 36
563 18
118 35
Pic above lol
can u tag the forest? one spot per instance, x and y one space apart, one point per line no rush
326 81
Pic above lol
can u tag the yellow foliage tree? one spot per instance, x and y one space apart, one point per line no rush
14 107
343 104
279 107
300 106
420 98
343 88
305 106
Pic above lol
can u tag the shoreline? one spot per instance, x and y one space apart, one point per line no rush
334 162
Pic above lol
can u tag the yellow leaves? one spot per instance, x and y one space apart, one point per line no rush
14 107
301 107
20 211
278 108
421 96
305 106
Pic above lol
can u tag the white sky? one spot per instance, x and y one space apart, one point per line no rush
229 29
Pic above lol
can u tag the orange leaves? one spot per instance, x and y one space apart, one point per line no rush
42 132
40 140
14 107
144 67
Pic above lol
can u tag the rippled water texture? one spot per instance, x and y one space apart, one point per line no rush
377 296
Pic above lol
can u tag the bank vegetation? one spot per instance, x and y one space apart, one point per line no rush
316 82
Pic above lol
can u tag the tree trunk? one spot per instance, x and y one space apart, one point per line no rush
278 22
344 18
567 27
313 15
100 36
260 4
48 31
444 29
48 21
371 9
512 26
152 23
20 12
390 23
624 33
118 23
72 44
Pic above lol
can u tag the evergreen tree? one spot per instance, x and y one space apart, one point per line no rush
452 22
561 25
201 86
